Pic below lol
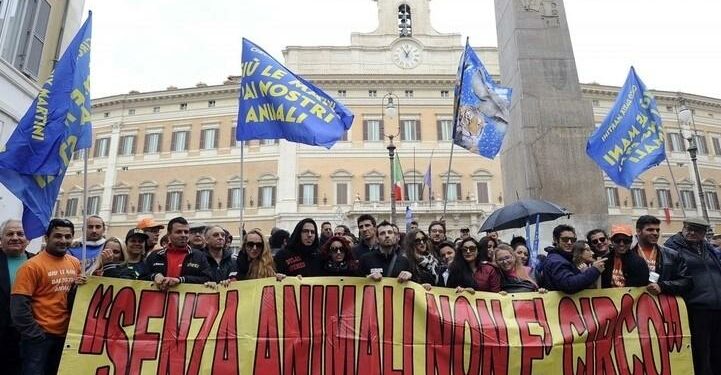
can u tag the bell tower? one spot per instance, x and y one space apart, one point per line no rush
405 18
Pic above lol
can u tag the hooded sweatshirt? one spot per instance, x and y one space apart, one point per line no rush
297 258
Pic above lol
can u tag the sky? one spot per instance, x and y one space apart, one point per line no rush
148 45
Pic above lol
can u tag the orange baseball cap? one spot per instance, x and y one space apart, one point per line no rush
149 222
624 229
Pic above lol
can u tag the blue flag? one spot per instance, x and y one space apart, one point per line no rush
38 152
58 121
630 138
275 103
482 108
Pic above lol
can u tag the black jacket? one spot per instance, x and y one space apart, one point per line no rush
704 269
671 268
227 267
362 248
298 259
376 259
635 269
195 269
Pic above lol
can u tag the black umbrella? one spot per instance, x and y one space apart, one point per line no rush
516 215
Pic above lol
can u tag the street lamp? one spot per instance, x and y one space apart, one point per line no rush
685 118
390 106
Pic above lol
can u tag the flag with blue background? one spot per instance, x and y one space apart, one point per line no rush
37 153
482 108
630 139
275 104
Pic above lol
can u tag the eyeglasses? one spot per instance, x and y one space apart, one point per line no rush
336 249
568 239
504 259
599 240
469 249
420 240
251 245
701 230
624 240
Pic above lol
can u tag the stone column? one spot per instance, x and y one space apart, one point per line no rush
544 154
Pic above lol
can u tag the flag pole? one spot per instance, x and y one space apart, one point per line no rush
242 188
415 187
455 125
85 211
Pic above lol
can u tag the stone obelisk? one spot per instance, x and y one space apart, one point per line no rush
544 154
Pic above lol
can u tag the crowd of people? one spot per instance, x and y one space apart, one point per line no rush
37 290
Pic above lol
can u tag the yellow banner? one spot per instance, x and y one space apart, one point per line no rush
355 326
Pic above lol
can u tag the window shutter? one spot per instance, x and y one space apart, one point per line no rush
365 130
167 201
152 202
210 200
146 142
300 193
36 32
341 193
159 147
382 192
418 130
229 201
459 193
140 202
260 196
444 190
216 134
381 130
404 136
202 139
368 198
197 199
315 194
187 141
272 201
482 192
173 141
96 151
114 208
132 149
439 130
232 136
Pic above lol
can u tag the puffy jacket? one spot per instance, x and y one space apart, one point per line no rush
635 269
671 268
195 269
560 274
705 271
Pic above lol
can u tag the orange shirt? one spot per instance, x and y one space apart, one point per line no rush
46 279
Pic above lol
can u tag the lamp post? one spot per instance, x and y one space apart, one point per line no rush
390 110
685 118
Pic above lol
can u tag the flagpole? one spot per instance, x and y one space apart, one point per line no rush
456 105
415 187
85 211
242 188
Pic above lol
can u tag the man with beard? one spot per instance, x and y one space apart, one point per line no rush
301 256
368 238
94 241
703 298
12 256
386 260
624 268
39 303
437 234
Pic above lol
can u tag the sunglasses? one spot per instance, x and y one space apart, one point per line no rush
623 240
597 241
336 249
469 249
251 245
568 239
420 240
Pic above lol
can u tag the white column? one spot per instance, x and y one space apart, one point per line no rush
106 202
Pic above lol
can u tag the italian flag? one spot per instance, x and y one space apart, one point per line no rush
397 178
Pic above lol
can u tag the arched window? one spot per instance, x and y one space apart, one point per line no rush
404 21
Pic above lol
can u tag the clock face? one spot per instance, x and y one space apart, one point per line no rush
407 55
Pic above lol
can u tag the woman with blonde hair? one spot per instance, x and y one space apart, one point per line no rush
514 277
254 258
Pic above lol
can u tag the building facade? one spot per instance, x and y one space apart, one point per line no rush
172 152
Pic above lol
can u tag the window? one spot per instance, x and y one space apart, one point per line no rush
413 192
688 201
79 154
211 103
716 146
410 130
341 93
236 197
405 28
106 114
444 130
664 198
372 93
308 194
266 196
595 103
120 204
71 207
453 191
183 106
701 144
152 143
156 109
127 145
444 94
712 202
174 201
131 111
204 199
341 193
374 192
409 93
674 141
482 192
145 202
233 141
93 205
612 197
268 142
23 27
638 198
208 139
181 141
372 130
102 147
669 108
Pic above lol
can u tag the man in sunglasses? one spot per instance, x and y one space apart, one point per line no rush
599 242
668 273
559 272
703 298
624 268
